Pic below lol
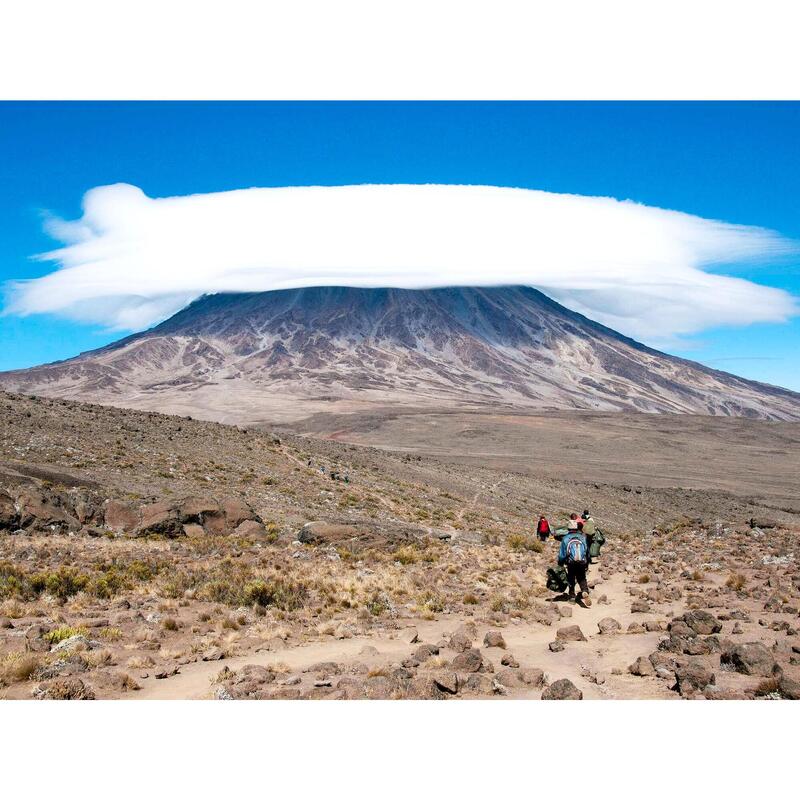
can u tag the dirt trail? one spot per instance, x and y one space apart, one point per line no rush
527 641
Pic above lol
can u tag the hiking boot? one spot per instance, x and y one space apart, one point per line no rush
587 601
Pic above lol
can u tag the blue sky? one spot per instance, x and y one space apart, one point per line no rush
737 162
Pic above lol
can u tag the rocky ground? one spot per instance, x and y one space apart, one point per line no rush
150 556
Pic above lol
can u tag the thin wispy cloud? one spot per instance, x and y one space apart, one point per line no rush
132 260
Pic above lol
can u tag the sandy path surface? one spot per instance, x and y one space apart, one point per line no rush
527 641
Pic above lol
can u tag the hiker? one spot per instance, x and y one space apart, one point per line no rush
542 529
573 554
575 523
589 529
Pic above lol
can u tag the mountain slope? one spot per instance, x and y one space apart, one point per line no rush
284 354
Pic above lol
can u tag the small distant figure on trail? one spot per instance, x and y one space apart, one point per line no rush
309 462
573 554
589 529
346 478
542 529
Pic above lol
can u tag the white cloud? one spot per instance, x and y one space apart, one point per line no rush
132 260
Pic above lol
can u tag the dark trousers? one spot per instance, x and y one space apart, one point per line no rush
576 573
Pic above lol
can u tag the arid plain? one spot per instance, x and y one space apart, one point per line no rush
392 555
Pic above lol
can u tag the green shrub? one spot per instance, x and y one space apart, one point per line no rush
12 580
519 541
280 592
61 583
65 632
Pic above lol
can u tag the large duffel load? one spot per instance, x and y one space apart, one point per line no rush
557 579
597 542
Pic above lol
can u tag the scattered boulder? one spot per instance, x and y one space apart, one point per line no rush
9 518
213 654
459 642
423 687
494 639
643 667
702 622
563 689
45 511
425 651
508 678
409 635
608 625
693 676
236 511
324 668
570 633
789 689
750 658
763 522
64 689
197 509
35 641
469 629
478 682
636 627
120 517
254 682
447 682
509 661
532 676
679 628
72 642
544 613
160 518
250 529
640 607
468 661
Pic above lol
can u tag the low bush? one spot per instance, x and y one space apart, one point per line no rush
520 542
736 581
65 632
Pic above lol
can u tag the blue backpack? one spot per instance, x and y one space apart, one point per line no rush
576 550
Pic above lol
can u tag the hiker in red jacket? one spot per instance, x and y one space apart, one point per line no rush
542 529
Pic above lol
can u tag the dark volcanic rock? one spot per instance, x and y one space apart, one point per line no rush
494 639
468 661
750 658
693 677
702 622
570 633
563 689
608 625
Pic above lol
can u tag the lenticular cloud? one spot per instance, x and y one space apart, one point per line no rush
132 260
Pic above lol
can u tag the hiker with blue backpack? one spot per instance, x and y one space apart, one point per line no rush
574 555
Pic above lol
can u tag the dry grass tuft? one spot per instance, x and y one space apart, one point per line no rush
736 581
16 667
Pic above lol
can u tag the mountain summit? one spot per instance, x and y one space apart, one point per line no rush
285 354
